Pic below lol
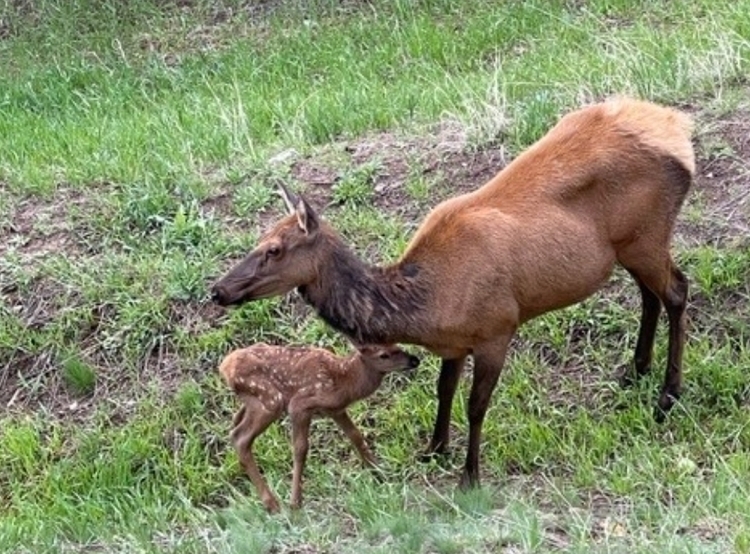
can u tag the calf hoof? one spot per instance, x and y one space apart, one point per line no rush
271 505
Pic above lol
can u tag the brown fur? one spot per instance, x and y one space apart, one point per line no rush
303 382
604 186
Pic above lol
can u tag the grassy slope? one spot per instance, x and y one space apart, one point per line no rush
135 161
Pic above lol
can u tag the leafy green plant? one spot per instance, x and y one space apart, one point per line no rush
253 197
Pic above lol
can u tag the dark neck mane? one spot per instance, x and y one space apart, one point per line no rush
370 304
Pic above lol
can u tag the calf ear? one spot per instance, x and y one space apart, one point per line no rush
289 199
366 349
306 217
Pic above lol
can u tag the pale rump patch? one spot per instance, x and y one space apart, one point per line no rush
659 127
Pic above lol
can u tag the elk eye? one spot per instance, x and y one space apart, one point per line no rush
274 251
384 355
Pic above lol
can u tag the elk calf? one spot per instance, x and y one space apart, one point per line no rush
303 382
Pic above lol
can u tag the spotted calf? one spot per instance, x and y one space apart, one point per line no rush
302 382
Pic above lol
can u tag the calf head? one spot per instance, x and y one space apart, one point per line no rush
386 358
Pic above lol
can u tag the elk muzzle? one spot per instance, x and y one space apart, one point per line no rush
230 294
219 295
241 283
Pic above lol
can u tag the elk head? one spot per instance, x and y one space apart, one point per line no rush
286 257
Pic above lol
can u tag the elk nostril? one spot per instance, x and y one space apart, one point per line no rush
216 295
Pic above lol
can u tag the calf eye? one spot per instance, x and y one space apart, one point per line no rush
384 355
274 251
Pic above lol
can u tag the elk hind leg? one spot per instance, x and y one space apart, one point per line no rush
662 277
675 301
650 310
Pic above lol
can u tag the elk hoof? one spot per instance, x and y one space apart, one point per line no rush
468 481
632 374
434 452
627 379
432 456
664 406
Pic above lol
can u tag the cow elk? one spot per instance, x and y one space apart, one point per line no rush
303 382
604 186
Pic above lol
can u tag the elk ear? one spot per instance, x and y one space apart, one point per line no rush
306 217
289 199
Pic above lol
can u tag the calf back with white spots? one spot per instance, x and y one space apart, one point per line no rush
275 374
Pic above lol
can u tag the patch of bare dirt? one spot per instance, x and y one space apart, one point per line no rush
34 230
718 208
37 227
33 380
443 156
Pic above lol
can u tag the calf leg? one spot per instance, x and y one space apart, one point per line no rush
300 434
345 423
250 421
488 363
450 373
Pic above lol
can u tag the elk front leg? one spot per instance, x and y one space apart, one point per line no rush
488 363
450 373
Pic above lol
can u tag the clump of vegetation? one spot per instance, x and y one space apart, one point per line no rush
79 376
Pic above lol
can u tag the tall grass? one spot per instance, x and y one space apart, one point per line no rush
131 93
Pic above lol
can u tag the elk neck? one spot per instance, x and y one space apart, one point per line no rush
369 304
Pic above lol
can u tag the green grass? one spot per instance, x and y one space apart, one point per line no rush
79 376
105 107
139 146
